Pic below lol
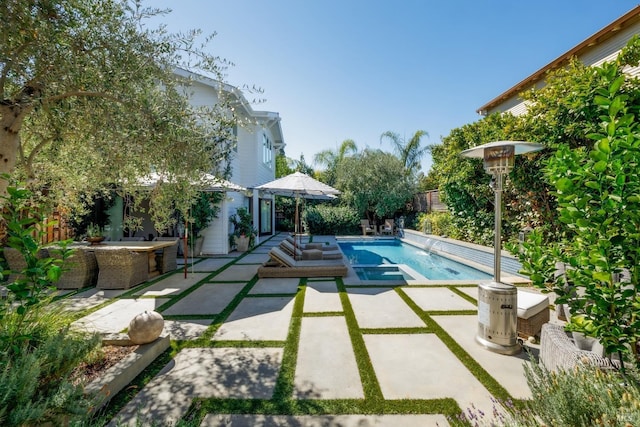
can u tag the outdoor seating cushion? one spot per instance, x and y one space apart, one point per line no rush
315 245
312 254
531 303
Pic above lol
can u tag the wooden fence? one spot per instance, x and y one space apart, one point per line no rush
428 201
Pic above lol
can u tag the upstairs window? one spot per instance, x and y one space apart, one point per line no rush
267 150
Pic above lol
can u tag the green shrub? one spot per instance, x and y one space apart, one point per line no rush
582 397
436 223
330 220
38 351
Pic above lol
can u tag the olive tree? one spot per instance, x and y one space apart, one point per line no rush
89 100
375 183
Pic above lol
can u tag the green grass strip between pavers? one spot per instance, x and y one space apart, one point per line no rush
469 362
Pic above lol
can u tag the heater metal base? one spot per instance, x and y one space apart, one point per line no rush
499 348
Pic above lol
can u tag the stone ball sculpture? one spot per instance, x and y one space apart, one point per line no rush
146 327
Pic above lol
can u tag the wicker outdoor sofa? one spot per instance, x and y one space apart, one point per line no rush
167 256
283 265
559 352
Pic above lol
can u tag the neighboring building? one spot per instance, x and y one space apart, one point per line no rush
259 138
605 45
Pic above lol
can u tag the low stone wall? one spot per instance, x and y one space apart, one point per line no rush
478 254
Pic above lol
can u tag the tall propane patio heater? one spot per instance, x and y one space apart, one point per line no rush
497 301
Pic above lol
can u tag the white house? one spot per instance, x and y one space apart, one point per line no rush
605 45
259 137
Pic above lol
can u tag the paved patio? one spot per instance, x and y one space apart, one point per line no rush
314 340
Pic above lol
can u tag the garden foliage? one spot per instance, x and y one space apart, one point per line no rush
38 351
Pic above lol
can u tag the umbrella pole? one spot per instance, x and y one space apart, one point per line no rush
296 228
185 246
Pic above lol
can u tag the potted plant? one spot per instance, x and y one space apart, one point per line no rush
202 212
244 235
95 234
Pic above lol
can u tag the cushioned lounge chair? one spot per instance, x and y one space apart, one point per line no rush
298 253
324 246
282 264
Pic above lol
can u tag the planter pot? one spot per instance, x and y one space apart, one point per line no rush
197 249
242 243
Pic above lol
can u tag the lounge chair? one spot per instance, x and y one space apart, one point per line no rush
311 253
367 228
387 228
283 265
315 245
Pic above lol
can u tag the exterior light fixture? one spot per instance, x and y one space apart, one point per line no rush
497 301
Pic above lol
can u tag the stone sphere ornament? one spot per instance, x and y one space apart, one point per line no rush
146 327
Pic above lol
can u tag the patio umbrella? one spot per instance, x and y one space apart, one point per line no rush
299 185
207 182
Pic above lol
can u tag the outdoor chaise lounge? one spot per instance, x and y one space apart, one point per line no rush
311 253
283 265
325 246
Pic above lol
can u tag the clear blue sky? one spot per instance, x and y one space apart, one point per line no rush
353 69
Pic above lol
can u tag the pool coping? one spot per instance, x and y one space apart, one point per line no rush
352 278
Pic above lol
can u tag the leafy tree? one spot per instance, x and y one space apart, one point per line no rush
409 152
89 99
283 167
330 159
375 183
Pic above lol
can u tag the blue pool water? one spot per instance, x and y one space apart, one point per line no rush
431 266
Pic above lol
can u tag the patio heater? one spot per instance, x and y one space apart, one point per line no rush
497 301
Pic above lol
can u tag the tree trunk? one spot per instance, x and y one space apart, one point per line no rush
11 118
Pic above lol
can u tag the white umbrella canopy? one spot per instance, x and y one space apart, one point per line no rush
207 182
299 185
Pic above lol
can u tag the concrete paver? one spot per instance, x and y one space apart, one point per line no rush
210 298
284 285
382 308
507 370
253 258
414 366
172 285
258 318
90 298
116 316
237 272
426 369
322 297
236 420
240 373
186 329
209 265
326 369
433 299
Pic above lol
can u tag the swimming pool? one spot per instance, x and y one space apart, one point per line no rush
365 255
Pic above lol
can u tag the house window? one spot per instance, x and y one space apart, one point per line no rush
234 132
267 150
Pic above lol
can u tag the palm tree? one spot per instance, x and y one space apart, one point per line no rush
330 159
409 152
